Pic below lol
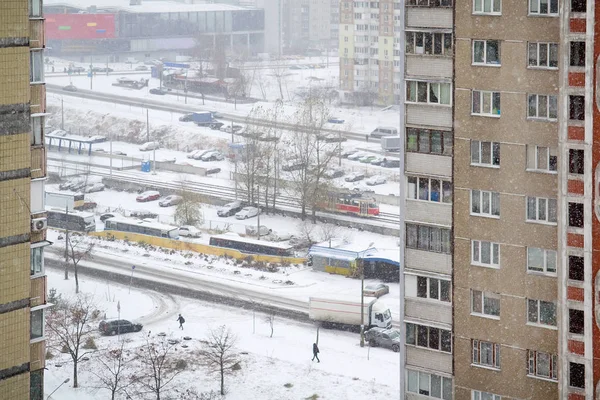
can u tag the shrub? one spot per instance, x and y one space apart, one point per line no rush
65 349
90 343
49 355
181 364
236 367
313 397
288 385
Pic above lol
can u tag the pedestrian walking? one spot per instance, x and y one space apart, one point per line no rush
367 137
315 353
181 320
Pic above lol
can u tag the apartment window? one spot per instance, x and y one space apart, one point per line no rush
542 365
542 107
429 141
486 52
577 54
485 153
541 260
428 43
429 337
479 395
35 8
36 130
432 288
36 64
543 55
37 202
428 189
36 385
576 161
578 6
543 7
37 324
486 354
428 92
577 108
541 312
540 158
487 7
428 238
485 303
429 3
37 261
431 385
576 215
485 203
576 265
540 209
486 103
485 254
576 321
577 375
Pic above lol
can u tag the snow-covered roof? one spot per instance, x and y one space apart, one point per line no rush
330 252
147 6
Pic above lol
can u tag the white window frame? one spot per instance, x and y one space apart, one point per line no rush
479 395
494 148
476 346
39 191
535 159
477 199
420 50
430 86
36 60
482 94
476 253
412 375
495 7
485 61
41 308
42 269
40 7
430 282
547 255
420 181
533 358
415 329
478 303
539 50
539 100
37 121
536 3
542 204
538 321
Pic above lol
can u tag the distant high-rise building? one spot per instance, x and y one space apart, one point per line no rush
22 211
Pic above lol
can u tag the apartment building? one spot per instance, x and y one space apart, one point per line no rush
22 222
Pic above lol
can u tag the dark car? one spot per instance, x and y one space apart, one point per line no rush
70 88
215 126
184 118
213 171
161 92
102 69
391 163
118 326
106 216
389 338
77 69
230 209
143 214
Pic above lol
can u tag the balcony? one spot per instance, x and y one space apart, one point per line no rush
37 292
429 359
37 355
38 162
430 17
440 263
38 98
427 114
429 164
37 39
429 212
428 310
428 66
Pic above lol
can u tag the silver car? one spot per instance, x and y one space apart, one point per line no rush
247 212
389 338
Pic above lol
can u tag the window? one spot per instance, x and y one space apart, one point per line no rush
576 321
576 268
485 153
576 215
576 161
36 385
37 324
542 107
432 288
429 141
429 337
541 260
540 209
428 92
542 364
485 303
577 108
541 312
429 43
36 130
429 189
428 238
486 354
478 395
486 52
577 54
578 6
36 64
485 203
543 7
577 375
542 159
35 8
542 55
37 201
429 3
486 103
485 253
37 261
438 387
487 7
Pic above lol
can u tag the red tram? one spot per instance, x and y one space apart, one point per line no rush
351 203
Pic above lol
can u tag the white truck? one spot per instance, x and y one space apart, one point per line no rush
336 312
390 143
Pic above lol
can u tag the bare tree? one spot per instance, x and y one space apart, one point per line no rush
270 319
261 82
77 249
365 95
218 355
157 359
192 394
281 74
327 232
113 373
189 211
69 328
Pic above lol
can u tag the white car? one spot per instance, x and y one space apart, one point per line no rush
354 177
189 231
357 155
247 212
376 180
94 187
59 133
201 153
348 153
192 153
213 156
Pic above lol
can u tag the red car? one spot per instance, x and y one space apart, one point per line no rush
150 195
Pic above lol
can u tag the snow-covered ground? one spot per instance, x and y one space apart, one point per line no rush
272 368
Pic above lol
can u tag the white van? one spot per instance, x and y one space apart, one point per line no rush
149 146
382 131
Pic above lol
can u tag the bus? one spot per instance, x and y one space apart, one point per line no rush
251 246
142 227
64 200
72 220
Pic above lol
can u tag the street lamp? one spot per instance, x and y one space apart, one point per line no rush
362 298
65 381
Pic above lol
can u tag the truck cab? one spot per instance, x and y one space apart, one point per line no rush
380 316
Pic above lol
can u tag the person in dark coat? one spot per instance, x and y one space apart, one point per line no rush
315 352
181 320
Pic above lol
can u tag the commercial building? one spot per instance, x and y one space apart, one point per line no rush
22 222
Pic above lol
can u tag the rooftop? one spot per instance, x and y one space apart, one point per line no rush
147 6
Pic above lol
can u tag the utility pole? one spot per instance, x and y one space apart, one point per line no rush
62 114
91 71
106 65
67 244
362 304
147 126
258 217
111 153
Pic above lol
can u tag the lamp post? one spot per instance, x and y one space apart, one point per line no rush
362 304
63 382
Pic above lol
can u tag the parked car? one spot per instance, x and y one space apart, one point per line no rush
143 214
367 159
171 200
94 187
349 152
391 163
149 146
189 231
70 88
59 133
161 92
216 114
78 69
377 160
354 177
247 212
202 153
97 139
102 69
357 155
230 209
388 338
231 128
87 205
141 68
118 153
335 120
68 184
211 171
376 180
213 156
376 289
192 153
118 326
172 160
293 166
215 126
333 173
105 216
150 195
186 117
335 139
